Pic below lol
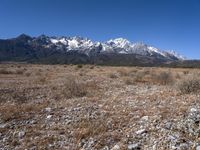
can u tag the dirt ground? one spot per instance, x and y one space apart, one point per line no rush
89 107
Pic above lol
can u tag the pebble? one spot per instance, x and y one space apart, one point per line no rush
198 147
193 110
141 131
3 126
48 109
116 147
184 146
134 146
105 148
21 134
168 125
145 118
49 116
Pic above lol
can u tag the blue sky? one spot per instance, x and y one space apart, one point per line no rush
166 24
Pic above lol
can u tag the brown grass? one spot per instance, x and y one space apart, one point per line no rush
123 72
189 85
113 75
129 81
163 78
18 111
74 87
70 92
89 128
12 71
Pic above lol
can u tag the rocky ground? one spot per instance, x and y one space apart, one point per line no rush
97 108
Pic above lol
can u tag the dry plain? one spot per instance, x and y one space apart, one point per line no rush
90 107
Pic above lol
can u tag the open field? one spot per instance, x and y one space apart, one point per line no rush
93 107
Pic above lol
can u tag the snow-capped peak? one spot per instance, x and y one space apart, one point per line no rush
174 53
156 50
120 42
118 45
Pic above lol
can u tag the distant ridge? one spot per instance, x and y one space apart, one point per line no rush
53 50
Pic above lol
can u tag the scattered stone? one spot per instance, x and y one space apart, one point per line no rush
145 118
105 148
134 146
116 147
49 116
168 125
184 146
48 109
198 147
21 134
141 131
193 110
3 126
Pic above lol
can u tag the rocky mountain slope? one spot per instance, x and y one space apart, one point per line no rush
82 50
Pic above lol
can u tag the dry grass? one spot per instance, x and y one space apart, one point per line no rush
28 74
129 81
12 71
96 101
123 72
113 75
17 111
163 78
74 88
79 66
189 85
150 76
88 128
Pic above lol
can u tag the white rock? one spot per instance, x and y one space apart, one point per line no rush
3 126
140 131
21 134
168 125
198 147
133 146
193 110
48 109
49 116
116 147
183 146
106 148
145 118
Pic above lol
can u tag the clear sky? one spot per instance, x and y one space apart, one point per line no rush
166 24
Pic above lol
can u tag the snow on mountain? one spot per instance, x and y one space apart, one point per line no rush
118 45
172 52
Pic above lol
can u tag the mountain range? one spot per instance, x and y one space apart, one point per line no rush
76 50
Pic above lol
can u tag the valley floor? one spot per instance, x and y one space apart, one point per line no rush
93 107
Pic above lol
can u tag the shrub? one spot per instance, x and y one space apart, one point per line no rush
11 71
42 79
139 76
163 78
74 88
20 71
92 67
123 72
79 66
185 72
10 111
178 76
129 81
113 75
86 128
187 86
5 71
28 74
